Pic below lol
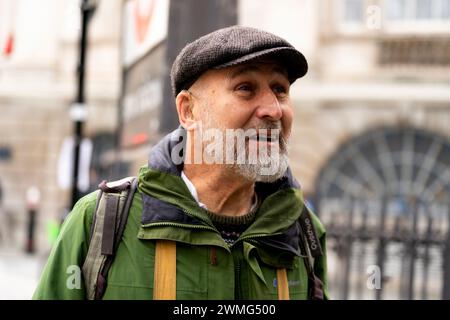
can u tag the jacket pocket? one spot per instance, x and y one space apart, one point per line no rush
297 282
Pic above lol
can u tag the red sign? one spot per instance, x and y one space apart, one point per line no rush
8 48
145 27
142 17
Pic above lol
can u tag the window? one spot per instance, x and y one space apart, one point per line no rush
353 10
351 16
422 10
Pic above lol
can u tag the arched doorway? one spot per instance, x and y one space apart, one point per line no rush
384 198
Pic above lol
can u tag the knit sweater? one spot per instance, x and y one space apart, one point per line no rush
231 227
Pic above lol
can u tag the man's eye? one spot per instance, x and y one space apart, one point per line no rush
281 90
245 87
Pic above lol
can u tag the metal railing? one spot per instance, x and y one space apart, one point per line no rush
411 249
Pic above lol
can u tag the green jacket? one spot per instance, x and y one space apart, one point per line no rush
163 208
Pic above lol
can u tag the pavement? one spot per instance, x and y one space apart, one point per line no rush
19 273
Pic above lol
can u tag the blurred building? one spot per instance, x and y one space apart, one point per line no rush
38 61
371 140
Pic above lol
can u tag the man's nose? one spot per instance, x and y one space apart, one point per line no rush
268 106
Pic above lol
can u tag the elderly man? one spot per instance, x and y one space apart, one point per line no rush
217 213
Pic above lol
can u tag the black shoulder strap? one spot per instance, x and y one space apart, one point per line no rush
311 249
310 232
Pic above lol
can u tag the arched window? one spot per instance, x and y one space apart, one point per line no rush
384 197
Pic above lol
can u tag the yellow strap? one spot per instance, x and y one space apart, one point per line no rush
165 285
282 284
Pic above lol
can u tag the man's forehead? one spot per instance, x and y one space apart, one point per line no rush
270 65
233 72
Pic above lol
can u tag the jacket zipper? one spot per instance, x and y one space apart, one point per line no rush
182 225
179 225
191 226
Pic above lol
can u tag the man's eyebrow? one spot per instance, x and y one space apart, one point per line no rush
243 70
250 68
280 70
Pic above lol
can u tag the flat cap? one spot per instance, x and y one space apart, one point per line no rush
232 46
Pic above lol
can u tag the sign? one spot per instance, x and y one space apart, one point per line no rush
145 26
6 27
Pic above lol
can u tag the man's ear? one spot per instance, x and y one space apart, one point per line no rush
185 106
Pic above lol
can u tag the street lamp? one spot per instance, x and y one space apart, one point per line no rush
78 109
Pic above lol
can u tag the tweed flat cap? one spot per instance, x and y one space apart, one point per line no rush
232 46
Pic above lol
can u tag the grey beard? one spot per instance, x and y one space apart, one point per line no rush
269 166
265 167
266 170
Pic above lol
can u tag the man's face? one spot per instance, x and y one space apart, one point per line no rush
253 97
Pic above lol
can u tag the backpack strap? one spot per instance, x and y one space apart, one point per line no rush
311 249
282 284
310 233
110 217
165 284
